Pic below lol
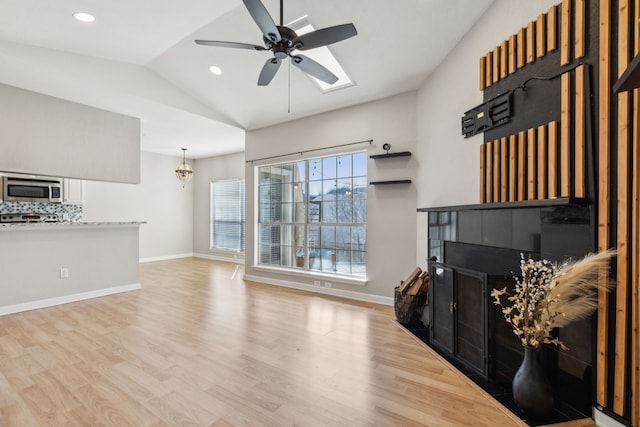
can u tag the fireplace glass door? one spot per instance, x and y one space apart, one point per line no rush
442 333
471 319
459 323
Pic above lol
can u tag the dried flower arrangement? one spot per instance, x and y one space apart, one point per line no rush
551 296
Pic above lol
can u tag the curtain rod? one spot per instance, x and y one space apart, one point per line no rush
309 151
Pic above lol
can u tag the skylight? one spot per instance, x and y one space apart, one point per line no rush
323 56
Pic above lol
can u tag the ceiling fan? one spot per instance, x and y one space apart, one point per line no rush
282 41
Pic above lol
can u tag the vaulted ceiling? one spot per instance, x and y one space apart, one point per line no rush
139 58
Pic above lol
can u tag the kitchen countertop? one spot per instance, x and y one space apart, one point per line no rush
66 225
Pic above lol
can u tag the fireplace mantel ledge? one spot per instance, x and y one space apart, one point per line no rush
561 201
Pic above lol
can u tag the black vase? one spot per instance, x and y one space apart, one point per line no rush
532 390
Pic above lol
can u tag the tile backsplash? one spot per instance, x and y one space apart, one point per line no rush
64 212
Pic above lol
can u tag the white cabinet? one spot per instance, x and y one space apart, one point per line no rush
73 191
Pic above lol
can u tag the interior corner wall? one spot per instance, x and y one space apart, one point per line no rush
450 164
159 200
211 169
391 210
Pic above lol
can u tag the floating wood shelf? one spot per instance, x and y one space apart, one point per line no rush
397 181
390 155
630 79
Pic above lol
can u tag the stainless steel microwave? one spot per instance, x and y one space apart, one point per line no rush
31 189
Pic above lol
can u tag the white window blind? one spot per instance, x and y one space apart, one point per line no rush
228 215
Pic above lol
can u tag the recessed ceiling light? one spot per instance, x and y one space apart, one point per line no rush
84 17
215 70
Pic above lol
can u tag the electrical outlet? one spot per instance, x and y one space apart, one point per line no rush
327 284
316 283
64 273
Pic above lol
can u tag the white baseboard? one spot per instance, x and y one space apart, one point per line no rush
49 302
166 257
603 419
321 290
224 258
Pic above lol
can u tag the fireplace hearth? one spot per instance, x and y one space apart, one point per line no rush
474 249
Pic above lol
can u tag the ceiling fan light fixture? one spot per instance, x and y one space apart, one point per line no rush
83 17
184 171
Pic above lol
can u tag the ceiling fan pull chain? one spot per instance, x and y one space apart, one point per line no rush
289 84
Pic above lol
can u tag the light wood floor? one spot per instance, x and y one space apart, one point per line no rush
198 346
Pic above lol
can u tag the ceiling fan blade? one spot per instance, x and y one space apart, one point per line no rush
268 71
265 22
324 36
314 69
230 44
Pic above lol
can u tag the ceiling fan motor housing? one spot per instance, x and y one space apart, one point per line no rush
282 48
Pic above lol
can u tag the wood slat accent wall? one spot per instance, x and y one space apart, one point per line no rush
565 32
526 46
552 32
552 160
488 70
541 36
522 175
580 24
496 170
532 170
504 170
552 153
635 264
522 52
523 166
504 66
543 162
543 146
489 172
619 21
622 279
513 169
483 174
496 64
635 233
565 135
511 54
580 137
531 42
604 194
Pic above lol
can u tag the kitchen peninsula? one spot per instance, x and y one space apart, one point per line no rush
45 264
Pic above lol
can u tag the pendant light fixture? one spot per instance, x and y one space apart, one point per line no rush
184 171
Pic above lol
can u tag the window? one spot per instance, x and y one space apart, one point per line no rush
312 215
228 215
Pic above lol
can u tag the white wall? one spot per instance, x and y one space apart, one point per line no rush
44 135
450 164
212 169
159 200
100 260
391 226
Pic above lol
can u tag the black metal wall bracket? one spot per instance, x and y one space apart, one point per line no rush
489 115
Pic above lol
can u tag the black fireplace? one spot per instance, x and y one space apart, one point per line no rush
474 249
